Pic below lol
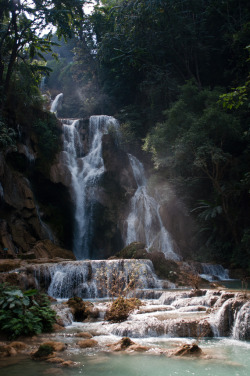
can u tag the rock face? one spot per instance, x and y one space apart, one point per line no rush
32 207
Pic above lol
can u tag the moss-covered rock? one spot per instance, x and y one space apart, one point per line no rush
43 352
82 310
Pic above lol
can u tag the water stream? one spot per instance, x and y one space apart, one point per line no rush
144 222
85 169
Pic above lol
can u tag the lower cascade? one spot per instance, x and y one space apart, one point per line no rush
94 279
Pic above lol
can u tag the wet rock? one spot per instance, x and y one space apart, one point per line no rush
81 310
122 345
18 346
45 248
7 350
188 350
126 344
56 346
44 352
87 343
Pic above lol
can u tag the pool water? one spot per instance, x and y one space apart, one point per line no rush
226 357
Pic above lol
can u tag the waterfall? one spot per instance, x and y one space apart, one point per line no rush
212 272
94 279
85 171
241 328
56 103
144 222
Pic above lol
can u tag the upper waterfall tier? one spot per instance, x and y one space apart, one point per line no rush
85 170
144 222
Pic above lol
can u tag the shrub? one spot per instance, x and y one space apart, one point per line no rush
121 308
24 313
48 133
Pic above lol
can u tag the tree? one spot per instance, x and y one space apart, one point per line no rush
203 149
26 32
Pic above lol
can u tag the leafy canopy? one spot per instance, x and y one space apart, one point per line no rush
26 31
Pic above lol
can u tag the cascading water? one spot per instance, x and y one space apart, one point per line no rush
213 272
95 278
144 222
85 171
56 103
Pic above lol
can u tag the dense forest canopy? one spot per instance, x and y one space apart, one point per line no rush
174 72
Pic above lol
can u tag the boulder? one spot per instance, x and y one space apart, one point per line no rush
56 346
87 343
126 344
188 350
7 350
18 346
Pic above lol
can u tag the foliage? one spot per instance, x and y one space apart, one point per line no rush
204 149
149 47
7 136
47 132
24 312
238 96
121 308
22 35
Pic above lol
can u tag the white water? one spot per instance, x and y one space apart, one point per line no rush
85 171
180 315
56 103
144 222
232 318
213 272
96 278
